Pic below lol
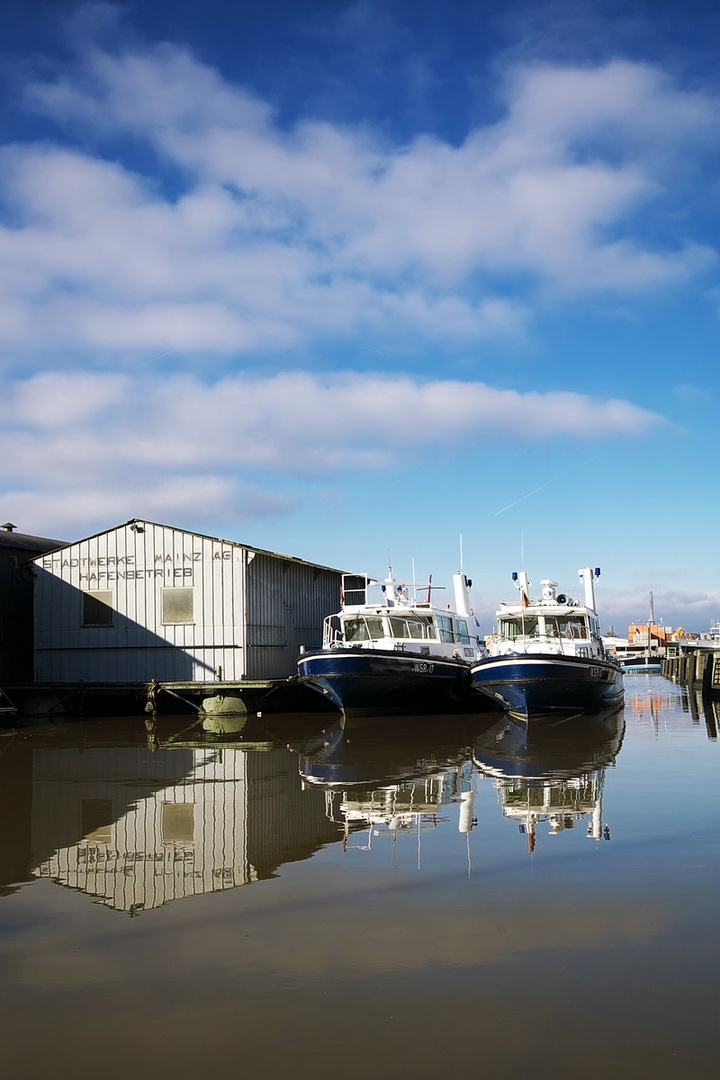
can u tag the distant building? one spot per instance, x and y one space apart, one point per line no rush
16 601
142 601
649 634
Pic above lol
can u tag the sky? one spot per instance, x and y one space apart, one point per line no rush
349 280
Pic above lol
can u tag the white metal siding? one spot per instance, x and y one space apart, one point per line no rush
287 601
136 566
247 812
138 866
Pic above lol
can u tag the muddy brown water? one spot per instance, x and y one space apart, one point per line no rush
413 898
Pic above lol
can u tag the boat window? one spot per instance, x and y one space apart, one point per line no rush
461 632
569 628
445 627
360 628
376 628
428 625
408 628
564 628
354 589
355 630
515 628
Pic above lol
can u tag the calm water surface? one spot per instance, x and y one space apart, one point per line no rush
402 898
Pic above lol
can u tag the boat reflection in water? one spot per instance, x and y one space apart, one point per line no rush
386 776
139 818
551 773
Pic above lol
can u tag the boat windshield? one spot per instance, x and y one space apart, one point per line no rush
565 628
532 626
515 628
363 628
412 626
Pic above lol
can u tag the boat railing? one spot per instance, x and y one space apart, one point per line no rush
542 643
332 633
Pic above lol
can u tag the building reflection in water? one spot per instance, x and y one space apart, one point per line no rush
137 819
551 772
137 828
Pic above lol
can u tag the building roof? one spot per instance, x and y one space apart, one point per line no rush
58 544
18 541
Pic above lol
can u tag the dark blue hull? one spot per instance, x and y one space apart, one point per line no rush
536 684
365 682
569 747
375 751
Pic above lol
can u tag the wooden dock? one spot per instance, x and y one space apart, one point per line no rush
216 698
695 664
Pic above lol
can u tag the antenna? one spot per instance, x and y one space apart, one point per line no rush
389 555
462 565
522 550
414 583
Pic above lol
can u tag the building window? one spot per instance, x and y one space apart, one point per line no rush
178 823
96 820
97 609
177 606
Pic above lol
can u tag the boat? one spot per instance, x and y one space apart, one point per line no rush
548 655
375 752
632 658
388 776
554 773
639 660
393 653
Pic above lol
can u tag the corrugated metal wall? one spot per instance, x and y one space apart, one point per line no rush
287 601
159 835
152 847
135 568
251 610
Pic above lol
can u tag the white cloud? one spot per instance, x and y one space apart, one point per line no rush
291 422
82 447
278 237
692 609
73 509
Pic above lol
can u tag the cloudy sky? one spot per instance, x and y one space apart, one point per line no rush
331 278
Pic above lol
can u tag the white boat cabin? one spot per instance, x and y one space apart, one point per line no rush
555 624
399 621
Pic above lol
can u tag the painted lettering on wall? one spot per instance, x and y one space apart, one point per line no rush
123 567
138 574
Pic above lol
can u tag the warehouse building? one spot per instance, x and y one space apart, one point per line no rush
146 601
16 601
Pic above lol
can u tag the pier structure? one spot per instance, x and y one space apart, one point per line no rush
695 663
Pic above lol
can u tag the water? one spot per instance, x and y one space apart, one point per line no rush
404 898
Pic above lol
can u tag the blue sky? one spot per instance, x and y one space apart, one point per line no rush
332 277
